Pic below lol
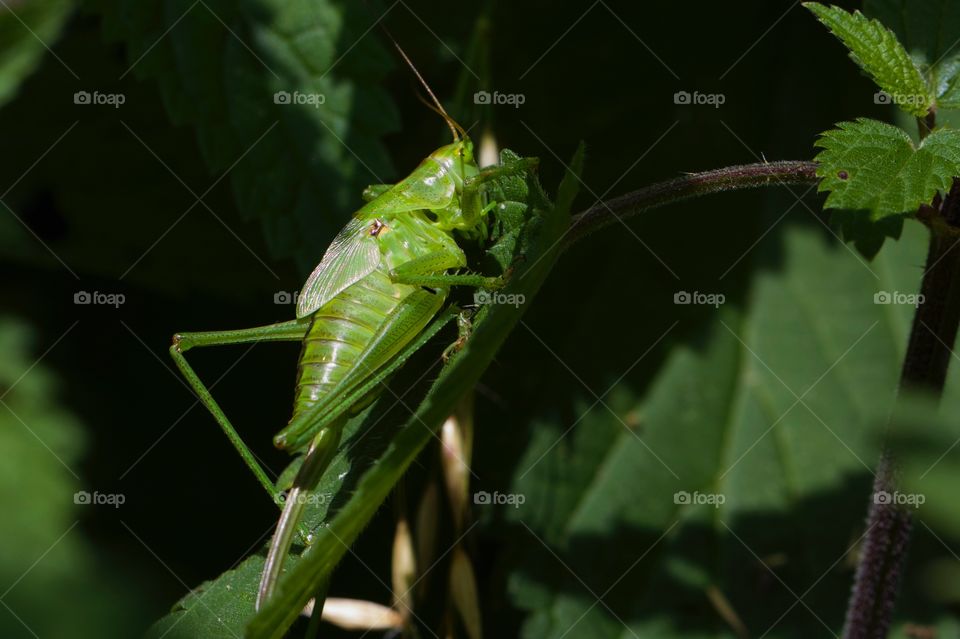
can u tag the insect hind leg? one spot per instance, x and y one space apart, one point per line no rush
182 342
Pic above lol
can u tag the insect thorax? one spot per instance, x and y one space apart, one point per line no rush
404 237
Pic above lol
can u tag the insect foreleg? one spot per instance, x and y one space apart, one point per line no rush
286 331
499 171
472 208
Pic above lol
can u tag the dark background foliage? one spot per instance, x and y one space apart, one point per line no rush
107 200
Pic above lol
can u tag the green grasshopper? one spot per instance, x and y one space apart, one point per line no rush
371 299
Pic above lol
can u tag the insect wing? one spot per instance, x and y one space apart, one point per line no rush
353 254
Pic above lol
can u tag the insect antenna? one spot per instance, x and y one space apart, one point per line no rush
430 105
455 128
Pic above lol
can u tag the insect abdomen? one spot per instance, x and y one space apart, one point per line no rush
340 331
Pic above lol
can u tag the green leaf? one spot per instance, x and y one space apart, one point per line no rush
877 51
601 517
26 30
929 30
492 327
217 609
295 165
873 166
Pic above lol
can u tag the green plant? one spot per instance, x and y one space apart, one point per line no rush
714 490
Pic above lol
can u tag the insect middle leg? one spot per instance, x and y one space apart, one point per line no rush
292 331
428 270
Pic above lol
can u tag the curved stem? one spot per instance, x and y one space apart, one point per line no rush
733 178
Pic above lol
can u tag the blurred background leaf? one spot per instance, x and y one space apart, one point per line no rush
27 30
54 582
221 65
776 409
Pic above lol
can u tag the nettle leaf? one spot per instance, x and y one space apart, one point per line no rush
877 51
874 166
26 29
217 609
286 95
628 511
929 30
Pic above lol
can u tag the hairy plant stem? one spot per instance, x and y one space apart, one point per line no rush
879 568
734 178
934 330
929 348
